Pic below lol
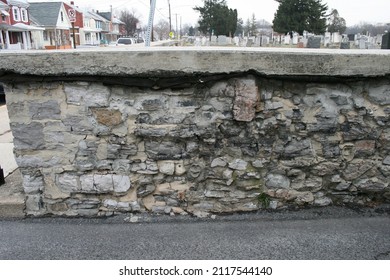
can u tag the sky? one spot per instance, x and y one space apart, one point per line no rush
353 11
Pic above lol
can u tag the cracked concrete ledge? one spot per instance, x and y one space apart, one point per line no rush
181 61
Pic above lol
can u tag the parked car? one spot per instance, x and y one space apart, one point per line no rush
2 95
125 41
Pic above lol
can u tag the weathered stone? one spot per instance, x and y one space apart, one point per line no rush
247 98
371 185
298 148
28 136
96 183
342 186
78 124
91 95
165 150
322 201
107 117
33 183
277 181
153 104
380 95
364 148
304 198
386 161
180 169
45 110
33 203
121 184
238 164
166 167
110 203
218 162
145 190
121 166
313 184
68 183
357 168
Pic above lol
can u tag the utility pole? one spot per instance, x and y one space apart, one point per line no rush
177 34
170 17
150 23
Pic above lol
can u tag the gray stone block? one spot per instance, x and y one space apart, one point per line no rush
314 42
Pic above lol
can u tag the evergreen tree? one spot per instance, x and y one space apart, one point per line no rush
217 18
300 15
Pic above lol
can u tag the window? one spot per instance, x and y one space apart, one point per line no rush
62 17
16 13
3 17
24 15
45 36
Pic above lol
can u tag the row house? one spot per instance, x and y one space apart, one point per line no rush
53 17
16 32
96 28
117 27
47 25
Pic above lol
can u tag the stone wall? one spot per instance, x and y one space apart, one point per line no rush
232 143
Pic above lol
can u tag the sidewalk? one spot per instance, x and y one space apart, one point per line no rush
11 194
7 159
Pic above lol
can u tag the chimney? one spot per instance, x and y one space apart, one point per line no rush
72 3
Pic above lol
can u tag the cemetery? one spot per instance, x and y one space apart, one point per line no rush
294 40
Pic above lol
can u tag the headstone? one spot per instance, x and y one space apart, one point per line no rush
287 40
198 42
345 45
237 41
362 43
214 40
222 40
204 41
295 38
314 42
386 41
351 37
336 37
327 39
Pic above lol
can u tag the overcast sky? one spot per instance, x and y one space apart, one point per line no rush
354 11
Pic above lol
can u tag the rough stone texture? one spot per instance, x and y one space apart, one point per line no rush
246 100
220 144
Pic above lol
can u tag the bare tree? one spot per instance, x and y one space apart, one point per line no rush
131 21
161 29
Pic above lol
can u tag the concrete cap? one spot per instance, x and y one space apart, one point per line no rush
176 61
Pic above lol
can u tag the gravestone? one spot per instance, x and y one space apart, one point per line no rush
386 41
214 40
295 38
362 43
314 42
345 45
222 40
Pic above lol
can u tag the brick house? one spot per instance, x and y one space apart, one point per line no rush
16 31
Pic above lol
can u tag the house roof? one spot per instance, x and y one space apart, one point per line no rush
95 16
19 3
107 16
3 6
46 12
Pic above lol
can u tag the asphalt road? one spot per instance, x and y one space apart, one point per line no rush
332 234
